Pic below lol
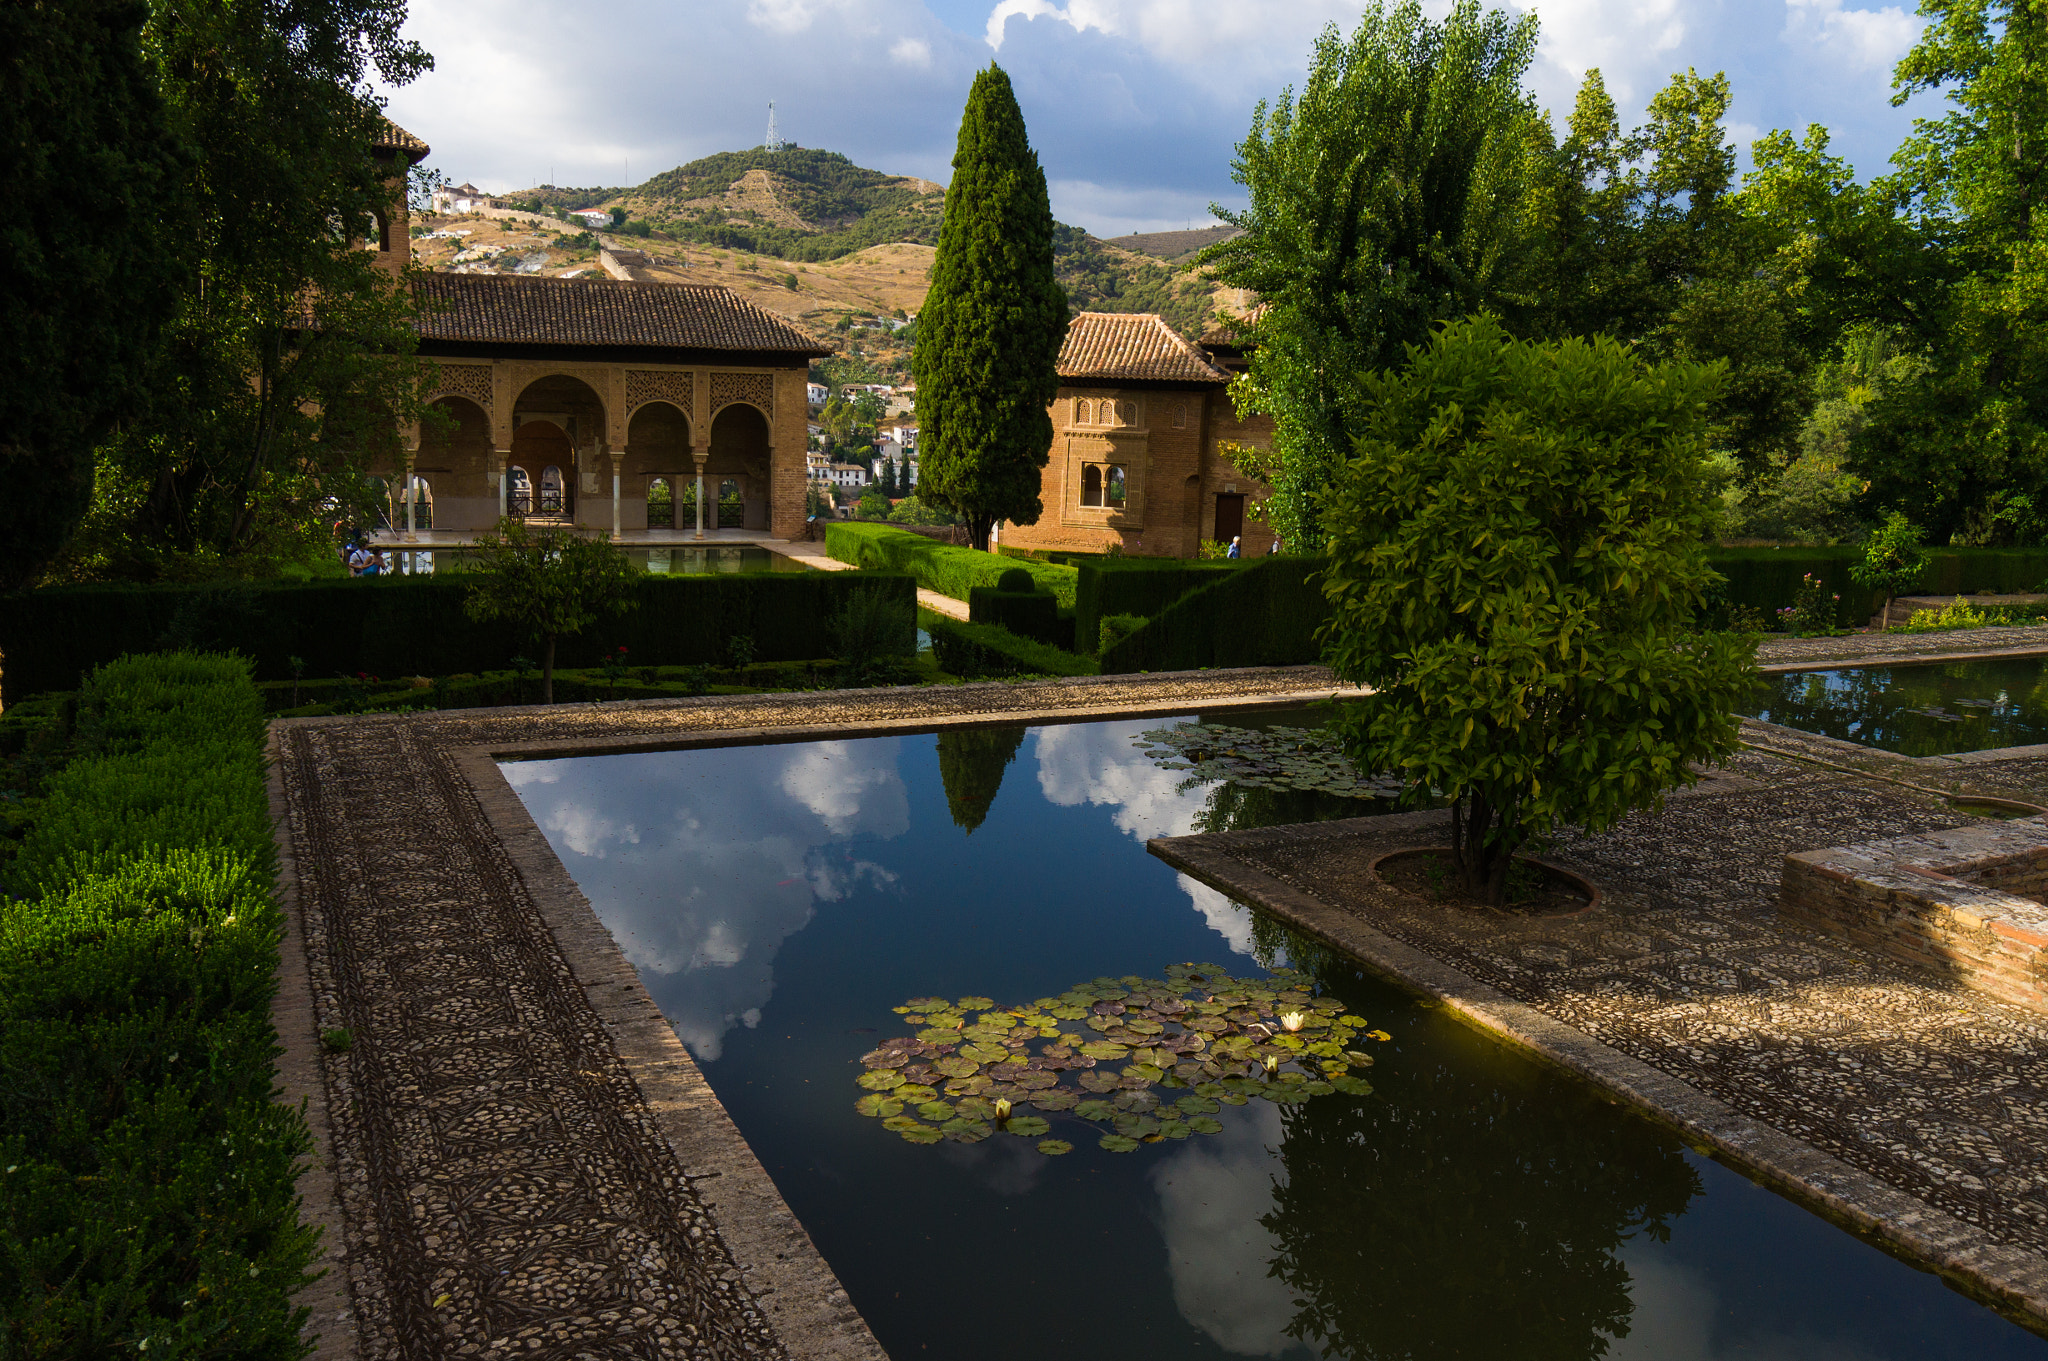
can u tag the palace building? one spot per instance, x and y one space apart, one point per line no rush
1138 431
573 399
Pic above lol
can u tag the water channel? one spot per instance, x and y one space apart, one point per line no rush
779 901
1926 710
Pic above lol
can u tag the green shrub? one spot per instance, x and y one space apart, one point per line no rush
1262 613
1117 627
1141 586
973 651
1767 579
150 1193
874 636
412 626
1016 604
938 567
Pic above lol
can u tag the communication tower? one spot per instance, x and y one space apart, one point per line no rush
774 142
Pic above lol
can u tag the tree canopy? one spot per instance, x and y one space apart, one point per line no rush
1515 567
988 338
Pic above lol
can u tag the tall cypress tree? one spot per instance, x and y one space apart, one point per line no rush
989 335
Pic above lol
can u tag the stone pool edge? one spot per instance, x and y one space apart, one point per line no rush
2010 1279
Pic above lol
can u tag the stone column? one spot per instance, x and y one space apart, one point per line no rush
412 534
701 456
615 499
502 464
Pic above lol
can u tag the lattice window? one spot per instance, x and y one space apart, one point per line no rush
467 380
757 388
655 385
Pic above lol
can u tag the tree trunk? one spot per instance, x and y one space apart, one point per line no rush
1479 849
978 527
547 670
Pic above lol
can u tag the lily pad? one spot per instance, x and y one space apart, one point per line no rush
969 1086
1030 1126
1148 1071
926 1004
1143 1026
1119 1143
965 1131
1036 1081
877 1105
1057 1099
1067 1013
1175 1129
1357 1059
1197 1105
975 1108
884 1058
975 1003
1281 1095
982 1052
1100 1081
938 1112
939 1035
1352 1086
880 1079
898 1123
921 1134
916 1092
1136 1126
1104 1049
1202 1124
1209 1089
1096 1109
1053 1148
955 1066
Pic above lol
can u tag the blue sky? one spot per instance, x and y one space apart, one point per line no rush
1133 105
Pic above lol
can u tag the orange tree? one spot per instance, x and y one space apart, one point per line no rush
1516 571
554 582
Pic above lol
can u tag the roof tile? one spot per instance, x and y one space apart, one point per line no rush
1131 347
508 310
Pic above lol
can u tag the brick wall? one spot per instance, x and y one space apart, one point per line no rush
1944 901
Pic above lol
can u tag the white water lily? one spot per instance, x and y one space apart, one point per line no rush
1291 1020
1272 1063
1002 1108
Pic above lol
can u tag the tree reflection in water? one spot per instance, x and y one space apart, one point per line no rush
971 766
1473 1206
1915 710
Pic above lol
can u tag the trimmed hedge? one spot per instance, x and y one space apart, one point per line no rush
1263 614
938 567
411 626
150 1199
1767 578
972 651
1014 603
1143 586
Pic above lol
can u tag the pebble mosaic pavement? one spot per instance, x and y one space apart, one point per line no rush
505 1189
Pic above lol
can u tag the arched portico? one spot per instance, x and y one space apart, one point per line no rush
454 461
742 451
657 449
576 412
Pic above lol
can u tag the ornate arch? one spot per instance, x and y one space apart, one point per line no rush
656 385
470 381
753 389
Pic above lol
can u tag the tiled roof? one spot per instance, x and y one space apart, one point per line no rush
1222 332
1131 347
508 310
395 138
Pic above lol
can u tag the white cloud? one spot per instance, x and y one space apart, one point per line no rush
1212 1194
1869 39
847 788
1675 1316
790 16
912 52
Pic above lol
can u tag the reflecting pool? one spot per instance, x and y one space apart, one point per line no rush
779 901
1915 710
676 560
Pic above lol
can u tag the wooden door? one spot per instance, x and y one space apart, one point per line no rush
1229 516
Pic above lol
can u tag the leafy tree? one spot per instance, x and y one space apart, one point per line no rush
989 334
290 359
1515 570
971 766
873 505
868 411
1386 198
1964 445
93 252
915 510
1893 560
552 582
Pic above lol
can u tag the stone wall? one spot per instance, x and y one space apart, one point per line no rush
1946 901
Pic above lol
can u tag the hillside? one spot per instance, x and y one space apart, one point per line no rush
811 235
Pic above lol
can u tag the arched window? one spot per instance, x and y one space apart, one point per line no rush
731 510
1113 487
1080 412
1091 484
1180 415
1127 413
661 504
551 491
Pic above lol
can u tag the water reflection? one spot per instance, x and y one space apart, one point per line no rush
1915 710
971 765
1511 1199
1215 1196
702 869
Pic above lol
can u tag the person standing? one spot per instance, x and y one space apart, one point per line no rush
1235 550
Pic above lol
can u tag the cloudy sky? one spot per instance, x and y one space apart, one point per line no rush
1133 105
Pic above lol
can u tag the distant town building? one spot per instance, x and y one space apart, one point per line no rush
817 394
846 475
593 217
